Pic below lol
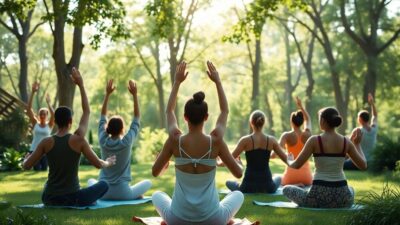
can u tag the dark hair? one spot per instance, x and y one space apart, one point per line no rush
257 119
331 116
297 118
63 116
115 126
196 109
364 115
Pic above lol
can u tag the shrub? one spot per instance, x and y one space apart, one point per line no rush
96 149
12 160
14 129
16 216
150 144
379 209
386 154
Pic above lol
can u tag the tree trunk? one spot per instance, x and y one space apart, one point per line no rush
23 75
370 76
256 75
268 111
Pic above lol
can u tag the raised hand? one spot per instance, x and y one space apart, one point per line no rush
356 136
76 77
212 72
298 103
181 73
132 87
370 99
35 86
48 98
110 87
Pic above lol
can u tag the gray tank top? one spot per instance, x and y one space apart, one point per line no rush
195 196
63 168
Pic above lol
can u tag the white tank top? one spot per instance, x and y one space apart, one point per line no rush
38 134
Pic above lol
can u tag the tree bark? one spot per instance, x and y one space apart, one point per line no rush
23 73
256 75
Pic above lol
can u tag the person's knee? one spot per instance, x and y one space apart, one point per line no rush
147 184
238 195
102 185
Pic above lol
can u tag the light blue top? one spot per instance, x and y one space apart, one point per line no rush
39 133
121 148
368 140
195 196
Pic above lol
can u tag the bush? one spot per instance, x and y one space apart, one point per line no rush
386 154
150 144
96 149
14 129
16 216
379 209
11 160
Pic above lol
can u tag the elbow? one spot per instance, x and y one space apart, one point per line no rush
25 166
154 172
238 173
363 166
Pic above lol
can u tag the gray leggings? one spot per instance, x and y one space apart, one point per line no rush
228 207
123 191
320 196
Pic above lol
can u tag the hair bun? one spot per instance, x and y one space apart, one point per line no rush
199 97
337 120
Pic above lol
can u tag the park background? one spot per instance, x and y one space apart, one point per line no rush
327 52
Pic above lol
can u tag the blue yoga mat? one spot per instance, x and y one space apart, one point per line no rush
277 192
293 205
99 204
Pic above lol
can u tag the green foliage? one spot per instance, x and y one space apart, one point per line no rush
379 209
11 160
15 216
90 138
257 13
96 149
386 154
164 13
106 16
150 144
17 129
17 7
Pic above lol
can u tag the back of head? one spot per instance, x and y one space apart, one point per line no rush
257 119
63 116
297 118
115 126
196 109
331 116
364 116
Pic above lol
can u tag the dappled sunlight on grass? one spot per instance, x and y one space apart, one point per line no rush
26 188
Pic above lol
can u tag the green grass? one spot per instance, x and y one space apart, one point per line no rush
25 188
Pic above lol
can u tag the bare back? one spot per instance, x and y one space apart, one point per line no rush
195 146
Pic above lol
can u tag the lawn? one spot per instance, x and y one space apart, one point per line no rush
25 188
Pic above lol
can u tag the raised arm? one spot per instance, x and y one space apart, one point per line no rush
133 90
109 89
220 126
134 128
354 150
307 121
180 76
51 111
29 110
84 122
374 119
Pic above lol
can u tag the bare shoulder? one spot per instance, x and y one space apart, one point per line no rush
76 142
47 143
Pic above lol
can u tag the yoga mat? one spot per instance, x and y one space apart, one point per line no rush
159 220
99 204
293 205
277 192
